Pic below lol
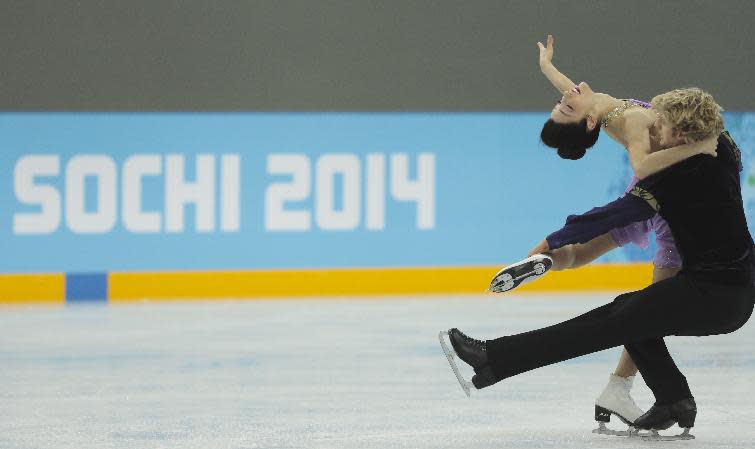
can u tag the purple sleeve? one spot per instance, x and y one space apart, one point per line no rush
583 228
636 233
667 256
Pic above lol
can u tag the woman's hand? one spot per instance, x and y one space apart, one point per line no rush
541 248
560 81
546 51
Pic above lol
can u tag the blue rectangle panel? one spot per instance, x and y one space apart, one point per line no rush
86 287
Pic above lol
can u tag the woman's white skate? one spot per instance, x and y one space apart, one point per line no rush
522 272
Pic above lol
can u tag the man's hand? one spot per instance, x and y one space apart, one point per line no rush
546 51
541 248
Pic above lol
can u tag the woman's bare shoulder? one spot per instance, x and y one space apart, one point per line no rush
639 117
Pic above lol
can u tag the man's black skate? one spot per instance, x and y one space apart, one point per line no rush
472 352
524 271
660 417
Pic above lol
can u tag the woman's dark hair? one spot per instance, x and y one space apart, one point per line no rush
571 139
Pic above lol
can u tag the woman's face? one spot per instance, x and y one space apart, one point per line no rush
574 104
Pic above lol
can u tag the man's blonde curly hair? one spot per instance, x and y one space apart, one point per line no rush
691 111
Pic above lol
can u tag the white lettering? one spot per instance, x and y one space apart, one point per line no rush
332 192
230 193
328 166
47 197
103 218
134 169
297 189
421 190
375 192
179 193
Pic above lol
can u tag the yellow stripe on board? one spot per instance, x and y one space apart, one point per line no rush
621 277
32 288
354 282
277 283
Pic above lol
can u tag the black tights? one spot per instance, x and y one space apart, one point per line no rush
639 321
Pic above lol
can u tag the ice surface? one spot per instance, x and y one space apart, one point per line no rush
327 373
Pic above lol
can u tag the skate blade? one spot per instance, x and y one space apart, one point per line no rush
651 435
450 356
522 272
615 433
603 430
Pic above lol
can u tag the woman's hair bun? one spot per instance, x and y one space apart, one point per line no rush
572 153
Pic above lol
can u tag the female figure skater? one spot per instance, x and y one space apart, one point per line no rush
576 120
700 199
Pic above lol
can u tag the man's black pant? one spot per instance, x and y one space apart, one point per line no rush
639 320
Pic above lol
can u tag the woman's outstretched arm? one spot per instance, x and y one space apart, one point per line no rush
560 81
579 254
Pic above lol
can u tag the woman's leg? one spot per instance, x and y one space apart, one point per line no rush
626 366
616 399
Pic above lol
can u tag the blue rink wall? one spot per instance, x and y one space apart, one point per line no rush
84 197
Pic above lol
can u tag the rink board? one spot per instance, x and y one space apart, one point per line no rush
166 286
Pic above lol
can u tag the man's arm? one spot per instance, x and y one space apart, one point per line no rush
560 81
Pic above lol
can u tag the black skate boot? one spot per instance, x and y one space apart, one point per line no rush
474 353
483 377
661 417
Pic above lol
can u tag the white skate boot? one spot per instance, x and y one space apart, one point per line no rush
616 400
522 272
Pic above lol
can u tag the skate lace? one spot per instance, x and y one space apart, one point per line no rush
474 342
